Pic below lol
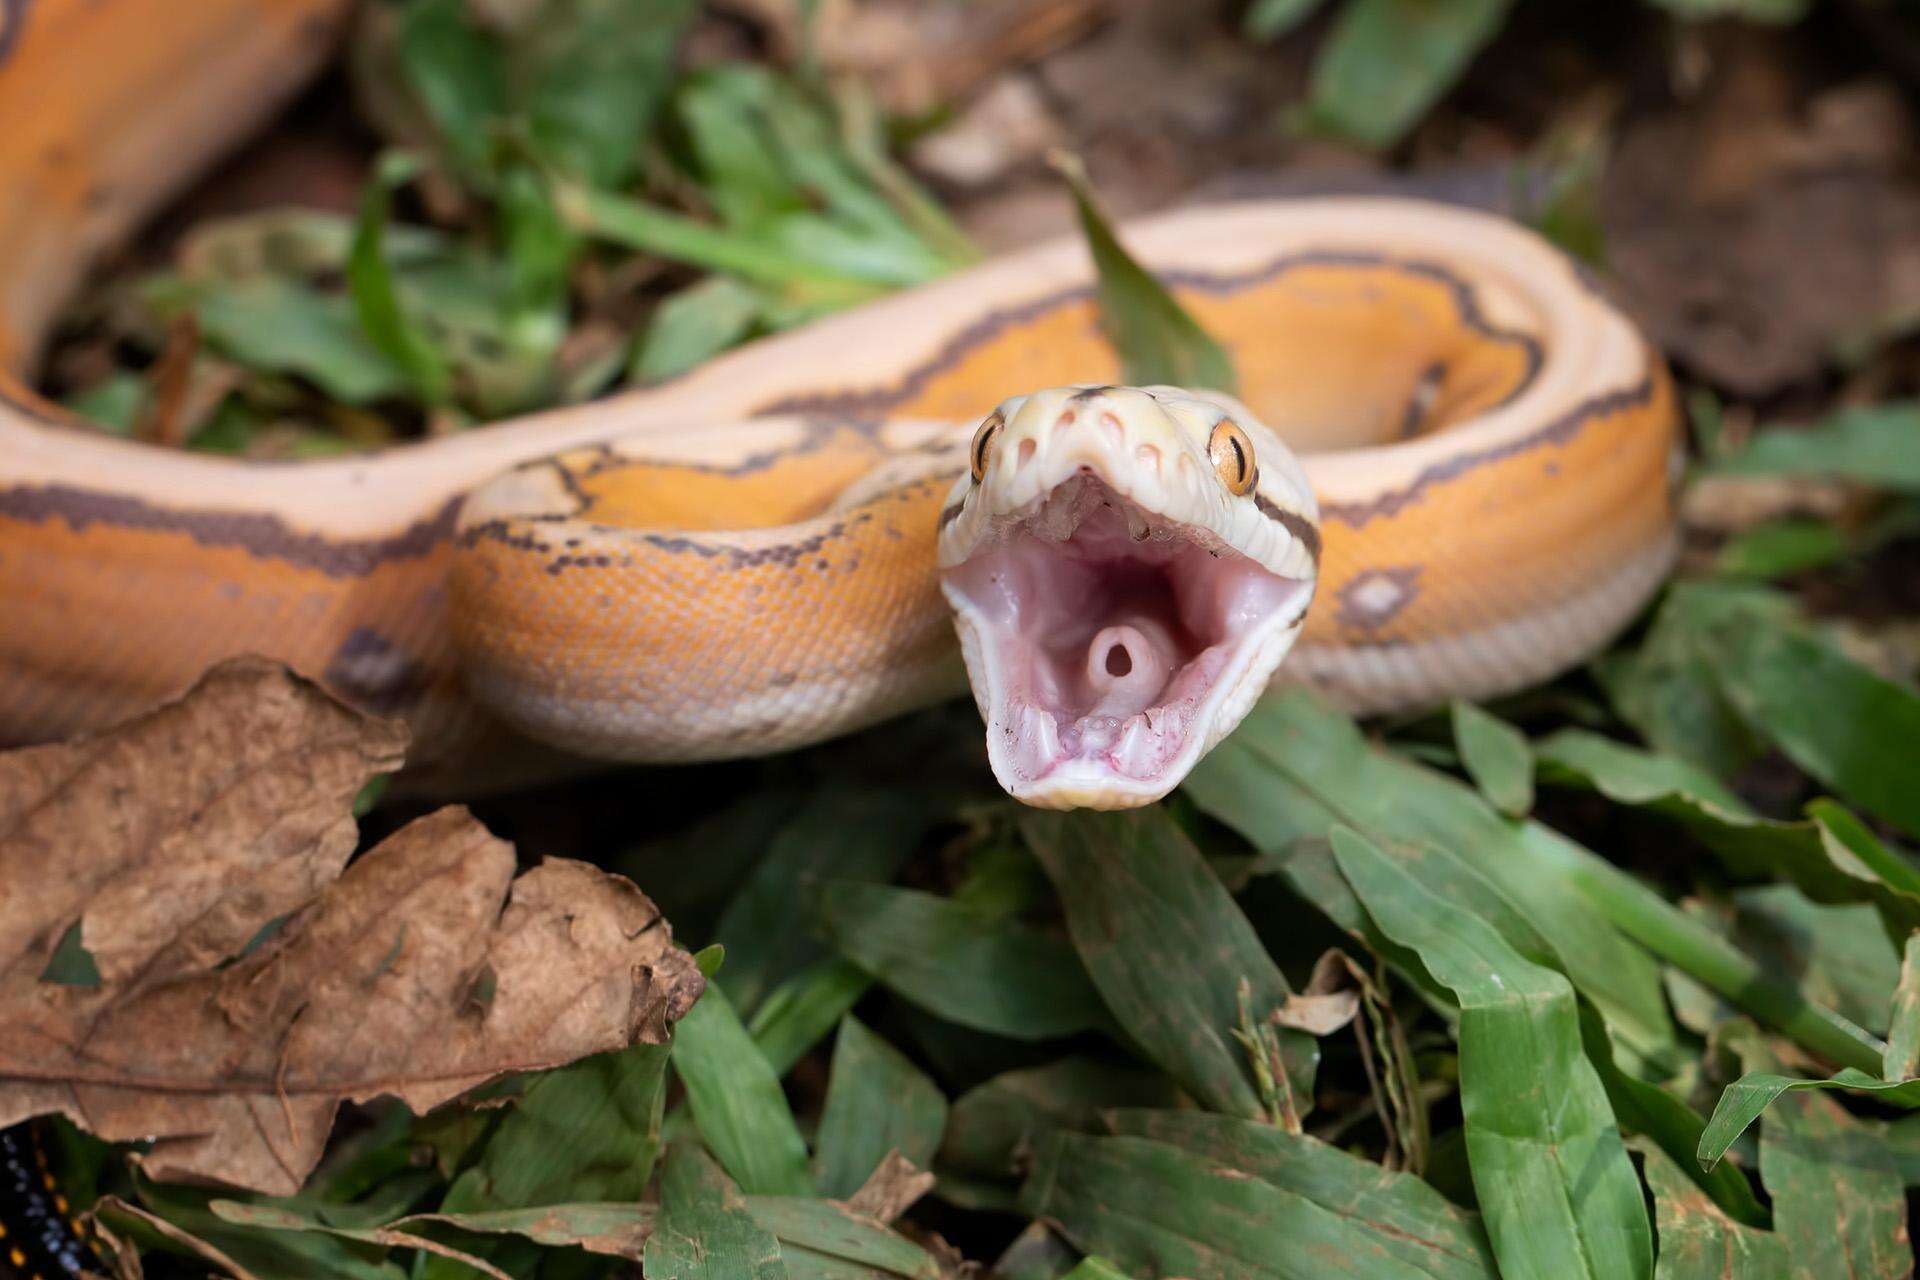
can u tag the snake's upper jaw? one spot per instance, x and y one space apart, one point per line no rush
1115 628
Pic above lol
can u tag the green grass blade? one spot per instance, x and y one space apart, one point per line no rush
1270 19
1560 1196
1902 1059
1164 1211
1158 342
1387 62
1400 1215
1745 1099
877 1101
704 1231
1838 1200
1497 758
768 926
595 80
1295 768
1137 895
836 1234
459 76
1669 1124
375 298
1832 859
798 1014
1876 445
993 1124
1844 724
672 235
1697 1240
737 1102
969 966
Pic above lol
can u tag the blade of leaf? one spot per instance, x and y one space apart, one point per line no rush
993 1123
737 1102
1876 445
600 75
1270 19
838 1232
767 927
1830 715
877 1101
375 299
457 73
704 1231
1669 1124
1832 859
1560 1196
1838 1201
1136 894
1158 1209
967 965
798 1014
694 325
1902 1060
1386 62
1158 342
1697 1240
1496 757
1743 1101
1400 1215
1295 768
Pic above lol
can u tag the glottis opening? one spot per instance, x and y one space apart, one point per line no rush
1107 629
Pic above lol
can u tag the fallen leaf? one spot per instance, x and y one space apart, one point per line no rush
891 1189
247 986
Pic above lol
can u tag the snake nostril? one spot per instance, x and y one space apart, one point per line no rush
1148 457
1064 421
1024 454
1112 424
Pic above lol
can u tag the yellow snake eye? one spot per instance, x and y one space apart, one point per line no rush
982 440
1232 455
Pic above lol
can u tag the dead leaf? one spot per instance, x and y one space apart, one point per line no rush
247 987
893 1187
1330 1001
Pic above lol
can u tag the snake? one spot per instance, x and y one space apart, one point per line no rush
1448 471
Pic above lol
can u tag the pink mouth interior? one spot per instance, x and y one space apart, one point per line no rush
1111 627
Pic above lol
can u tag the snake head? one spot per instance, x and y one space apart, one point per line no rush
1127 568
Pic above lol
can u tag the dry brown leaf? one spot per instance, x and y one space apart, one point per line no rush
891 1189
422 971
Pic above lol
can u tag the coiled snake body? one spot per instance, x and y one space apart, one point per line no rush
749 558
745 559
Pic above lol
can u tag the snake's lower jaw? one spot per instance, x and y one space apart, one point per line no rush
1108 661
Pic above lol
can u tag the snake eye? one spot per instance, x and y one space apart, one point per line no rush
982 441
1232 455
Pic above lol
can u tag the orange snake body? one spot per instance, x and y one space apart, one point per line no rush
1490 442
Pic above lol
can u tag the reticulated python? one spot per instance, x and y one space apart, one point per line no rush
750 558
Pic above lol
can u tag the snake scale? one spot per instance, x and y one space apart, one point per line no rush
1449 472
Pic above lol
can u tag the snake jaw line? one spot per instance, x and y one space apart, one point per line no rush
1119 609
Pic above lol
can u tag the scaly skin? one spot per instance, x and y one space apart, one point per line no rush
1489 441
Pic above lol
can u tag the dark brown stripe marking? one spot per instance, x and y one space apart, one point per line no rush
880 399
1557 431
257 533
1304 531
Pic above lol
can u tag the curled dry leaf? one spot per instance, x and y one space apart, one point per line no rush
247 986
892 1188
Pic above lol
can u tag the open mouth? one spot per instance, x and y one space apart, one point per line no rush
1111 639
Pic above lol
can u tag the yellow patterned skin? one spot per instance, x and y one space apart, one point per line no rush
743 560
